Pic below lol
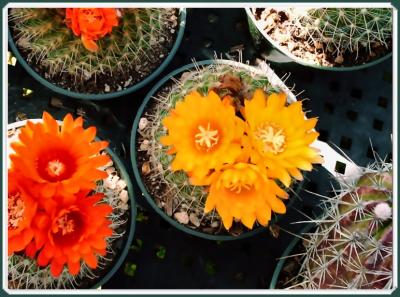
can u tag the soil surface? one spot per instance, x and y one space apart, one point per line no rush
278 24
120 79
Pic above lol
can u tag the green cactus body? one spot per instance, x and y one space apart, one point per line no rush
225 79
46 41
346 29
352 246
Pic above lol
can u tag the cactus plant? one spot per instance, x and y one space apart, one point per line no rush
173 189
134 48
345 29
27 267
352 245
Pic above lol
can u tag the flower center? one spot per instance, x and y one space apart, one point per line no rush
272 137
239 186
65 225
207 137
16 209
55 168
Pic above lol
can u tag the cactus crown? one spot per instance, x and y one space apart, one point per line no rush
346 29
352 245
42 34
25 273
177 194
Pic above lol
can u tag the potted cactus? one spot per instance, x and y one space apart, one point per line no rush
351 245
215 150
70 206
324 38
95 53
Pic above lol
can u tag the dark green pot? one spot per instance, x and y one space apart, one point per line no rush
138 175
275 53
287 252
122 245
85 96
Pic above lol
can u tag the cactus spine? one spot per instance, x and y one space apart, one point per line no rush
346 29
47 41
352 246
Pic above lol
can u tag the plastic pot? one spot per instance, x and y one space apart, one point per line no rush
287 252
142 109
275 53
85 96
124 244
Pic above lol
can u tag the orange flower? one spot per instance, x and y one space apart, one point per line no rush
72 233
280 136
91 24
204 132
21 210
243 191
58 159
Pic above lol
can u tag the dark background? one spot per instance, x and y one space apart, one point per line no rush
354 110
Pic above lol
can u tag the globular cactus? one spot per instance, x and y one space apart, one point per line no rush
43 36
345 29
352 246
179 198
25 273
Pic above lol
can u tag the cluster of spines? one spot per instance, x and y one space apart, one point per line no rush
43 34
352 245
346 29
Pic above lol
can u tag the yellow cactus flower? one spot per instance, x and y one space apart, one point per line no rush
280 136
244 192
204 132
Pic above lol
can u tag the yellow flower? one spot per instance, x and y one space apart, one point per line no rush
280 136
243 191
204 132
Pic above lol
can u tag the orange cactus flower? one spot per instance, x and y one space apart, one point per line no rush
243 191
73 233
280 136
91 24
58 159
204 132
21 210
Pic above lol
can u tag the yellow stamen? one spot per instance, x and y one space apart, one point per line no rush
66 226
238 186
55 168
207 137
16 208
272 137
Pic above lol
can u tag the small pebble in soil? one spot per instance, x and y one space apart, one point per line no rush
146 168
143 123
182 217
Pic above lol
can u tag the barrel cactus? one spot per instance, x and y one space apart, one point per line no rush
132 43
352 246
345 29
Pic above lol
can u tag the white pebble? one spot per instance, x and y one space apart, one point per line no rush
123 195
143 123
121 184
182 217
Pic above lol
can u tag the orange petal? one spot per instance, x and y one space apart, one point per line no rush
89 44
